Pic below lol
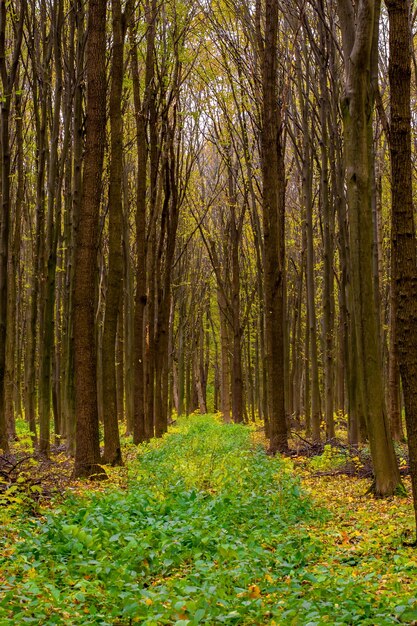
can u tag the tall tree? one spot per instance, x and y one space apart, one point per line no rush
87 449
328 229
360 26
112 450
8 72
53 222
273 200
404 243
306 173
142 422
77 86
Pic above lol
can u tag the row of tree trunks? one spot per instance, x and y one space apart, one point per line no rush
104 299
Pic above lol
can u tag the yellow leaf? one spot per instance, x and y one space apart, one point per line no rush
254 591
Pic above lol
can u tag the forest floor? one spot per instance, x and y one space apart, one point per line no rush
202 527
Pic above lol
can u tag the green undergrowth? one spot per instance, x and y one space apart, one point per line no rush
208 530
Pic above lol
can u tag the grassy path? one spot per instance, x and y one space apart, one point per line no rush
203 529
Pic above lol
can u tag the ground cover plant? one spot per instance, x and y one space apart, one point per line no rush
204 528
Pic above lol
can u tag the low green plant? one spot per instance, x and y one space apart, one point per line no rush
208 530
24 442
331 459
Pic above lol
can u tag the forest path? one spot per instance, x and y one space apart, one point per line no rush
202 528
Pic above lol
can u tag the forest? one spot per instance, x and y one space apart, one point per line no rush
208 312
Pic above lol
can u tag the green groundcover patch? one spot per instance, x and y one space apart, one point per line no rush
209 530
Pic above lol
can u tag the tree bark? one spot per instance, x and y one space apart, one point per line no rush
12 363
328 234
394 381
54 202
360 39
224 357
404 244
112 450
273 185
87 450
143 421
8 77
235 235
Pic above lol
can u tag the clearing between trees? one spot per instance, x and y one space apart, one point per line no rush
202 527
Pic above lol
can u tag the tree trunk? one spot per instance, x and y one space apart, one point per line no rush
12 364
143 420
224 357
404 245
237 387
52 235
273 184
112 451
69 415
128 344
359 43
394 383
87 451
8 79
328 235
311 311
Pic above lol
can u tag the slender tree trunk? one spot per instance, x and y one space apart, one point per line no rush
99 287
307 380
12 363
295 347
404 244
169 220
87 451
52 235
112 451
312 321
129 328
224 357
359 42
394 383
143 421
199 369
249 377
69 415
237 387
273 180
306 171
8 79
328 235
181 361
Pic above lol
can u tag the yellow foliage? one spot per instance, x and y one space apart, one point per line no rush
254 591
